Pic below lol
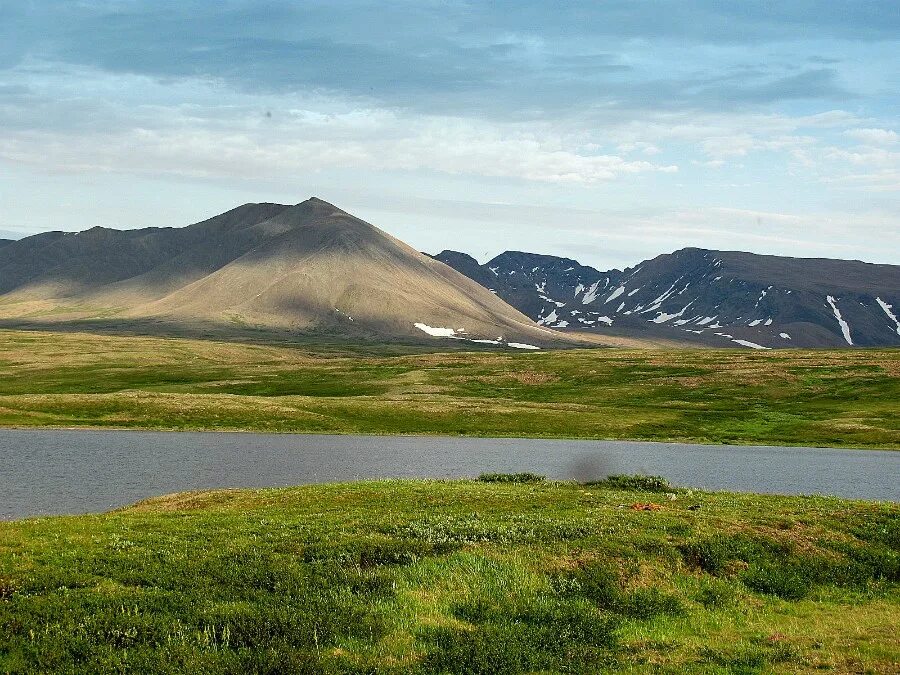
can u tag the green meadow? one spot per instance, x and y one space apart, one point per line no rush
792 397
506 574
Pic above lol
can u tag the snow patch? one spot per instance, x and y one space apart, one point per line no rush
520 345
605 319
555 302
845 327
747 343
550 318
561 324
615 294
663 317
887 310
435 332
784 336
755 322
658 301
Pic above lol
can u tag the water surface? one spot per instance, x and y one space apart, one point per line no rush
69 471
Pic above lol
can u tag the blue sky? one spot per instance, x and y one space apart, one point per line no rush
605 131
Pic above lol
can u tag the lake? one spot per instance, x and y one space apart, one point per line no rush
74 471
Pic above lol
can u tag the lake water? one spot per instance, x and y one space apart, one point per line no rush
68 471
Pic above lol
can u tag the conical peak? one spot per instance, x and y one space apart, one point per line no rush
319 205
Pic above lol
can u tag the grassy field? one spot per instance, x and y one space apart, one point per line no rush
828 398
488 576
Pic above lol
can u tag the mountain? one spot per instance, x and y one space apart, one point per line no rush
307 268
719 298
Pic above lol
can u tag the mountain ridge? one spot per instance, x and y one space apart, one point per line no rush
716 298
312 268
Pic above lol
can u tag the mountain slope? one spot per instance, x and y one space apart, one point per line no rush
710 297
304 268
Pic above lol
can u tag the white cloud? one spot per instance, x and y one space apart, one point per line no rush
873 137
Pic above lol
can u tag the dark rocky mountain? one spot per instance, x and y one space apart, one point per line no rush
719 298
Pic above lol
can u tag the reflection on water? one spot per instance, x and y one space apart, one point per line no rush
66 471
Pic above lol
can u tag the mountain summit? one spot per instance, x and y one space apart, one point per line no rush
307 268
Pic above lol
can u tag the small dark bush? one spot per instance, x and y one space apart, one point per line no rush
875 562
511 478
7 588
785 579
635 483
879 528
596 582
547 634
751 659
715 593
649 603
601 586
715 554
369 554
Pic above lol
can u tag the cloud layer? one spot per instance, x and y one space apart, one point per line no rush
703 108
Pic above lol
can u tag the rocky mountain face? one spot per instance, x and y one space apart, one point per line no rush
718 298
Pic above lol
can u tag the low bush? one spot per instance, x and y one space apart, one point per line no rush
546 634
511 478
370 554
717 553
635 483
715 593
649 603
603 587
790 580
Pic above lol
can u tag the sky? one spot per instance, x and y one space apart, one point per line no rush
608 132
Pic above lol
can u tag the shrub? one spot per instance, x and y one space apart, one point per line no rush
715 593
595 582
635 483
7 588
784 579
547 634
648 603
715 554
602 587
511 478
369 554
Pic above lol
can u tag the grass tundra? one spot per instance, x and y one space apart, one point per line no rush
791 397
505 574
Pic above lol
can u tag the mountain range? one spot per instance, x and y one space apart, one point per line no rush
717 298
313 269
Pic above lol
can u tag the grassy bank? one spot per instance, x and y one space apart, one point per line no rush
829 398
461 576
